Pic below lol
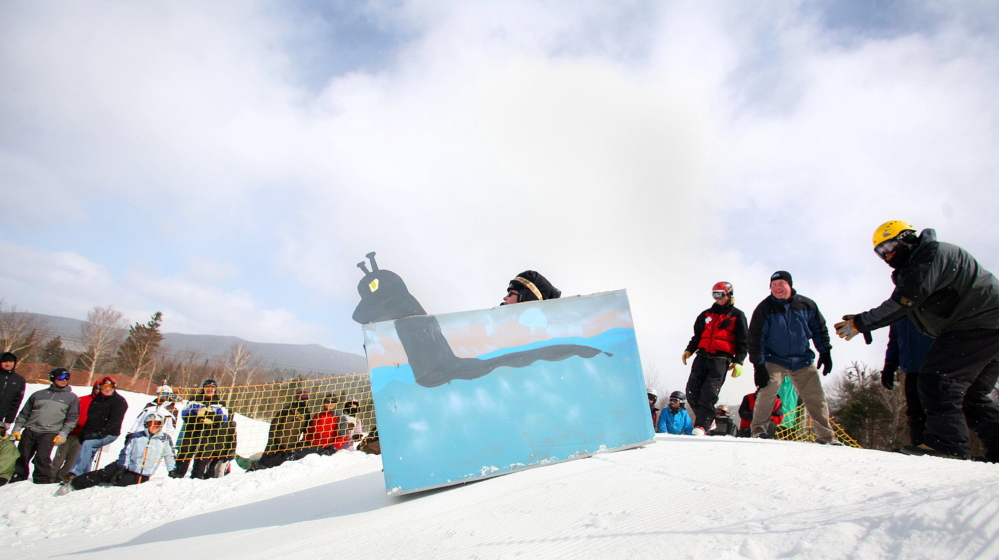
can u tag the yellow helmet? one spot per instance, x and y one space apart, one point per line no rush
891 230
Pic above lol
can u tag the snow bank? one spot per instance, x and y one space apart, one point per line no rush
682 497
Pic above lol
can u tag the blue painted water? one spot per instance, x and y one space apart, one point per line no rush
512 418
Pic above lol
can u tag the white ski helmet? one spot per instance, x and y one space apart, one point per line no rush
651 391
151 418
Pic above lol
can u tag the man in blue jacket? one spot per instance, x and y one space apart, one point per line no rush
780 331
907 349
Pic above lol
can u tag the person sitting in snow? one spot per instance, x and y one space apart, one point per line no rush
353 428
653 409
674 419
144 451
8 455
285 434
207 436
325 429
746 415
724 424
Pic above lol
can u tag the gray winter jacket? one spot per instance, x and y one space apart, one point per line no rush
942 288
49 411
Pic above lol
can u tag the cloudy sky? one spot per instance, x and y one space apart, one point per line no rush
228 163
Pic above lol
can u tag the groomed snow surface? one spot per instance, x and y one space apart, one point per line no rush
681 497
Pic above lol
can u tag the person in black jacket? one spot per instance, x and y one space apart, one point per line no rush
11 388
950 297
780 331
103 425
719 340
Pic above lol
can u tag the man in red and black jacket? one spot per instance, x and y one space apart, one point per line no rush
721 343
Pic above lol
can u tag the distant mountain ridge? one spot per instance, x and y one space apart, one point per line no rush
301 357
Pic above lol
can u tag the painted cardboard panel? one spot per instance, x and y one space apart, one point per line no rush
493 391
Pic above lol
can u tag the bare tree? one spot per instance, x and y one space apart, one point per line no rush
240 364
653 379
21 332
102 333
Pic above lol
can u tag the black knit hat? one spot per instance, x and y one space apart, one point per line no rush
782 275
8 357
533 287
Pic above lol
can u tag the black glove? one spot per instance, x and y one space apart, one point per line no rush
825 362
888 375
760 375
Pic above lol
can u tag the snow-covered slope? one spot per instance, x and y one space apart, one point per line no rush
681 497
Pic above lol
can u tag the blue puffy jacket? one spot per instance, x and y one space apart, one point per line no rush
677 422
781 330
907 347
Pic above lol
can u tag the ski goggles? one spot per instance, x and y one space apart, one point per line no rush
718 294
62 377
886 248
107 385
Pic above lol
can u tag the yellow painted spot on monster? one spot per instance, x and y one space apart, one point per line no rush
373 285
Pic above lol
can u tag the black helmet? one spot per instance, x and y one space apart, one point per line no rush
679 396
532 286
59 373
209 383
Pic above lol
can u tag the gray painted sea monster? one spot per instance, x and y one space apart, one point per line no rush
384 297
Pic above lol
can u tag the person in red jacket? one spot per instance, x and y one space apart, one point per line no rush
746 415
67 453
720 341
324 430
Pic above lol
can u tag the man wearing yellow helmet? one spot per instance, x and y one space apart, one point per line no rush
949 296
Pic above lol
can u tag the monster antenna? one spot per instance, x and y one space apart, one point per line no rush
371 257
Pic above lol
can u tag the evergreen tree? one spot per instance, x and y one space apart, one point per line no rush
137 355
53 353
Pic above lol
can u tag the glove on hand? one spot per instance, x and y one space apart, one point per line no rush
825 362
736 369
685 356
847 328
59 439
760 375
202 411
888 375
16 435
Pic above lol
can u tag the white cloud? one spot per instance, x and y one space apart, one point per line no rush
654 147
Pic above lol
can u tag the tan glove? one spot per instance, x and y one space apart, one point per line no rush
59 439
16 436
846 329
685 356
736 369
203 411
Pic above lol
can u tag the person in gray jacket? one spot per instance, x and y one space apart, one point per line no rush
943 290
44 422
